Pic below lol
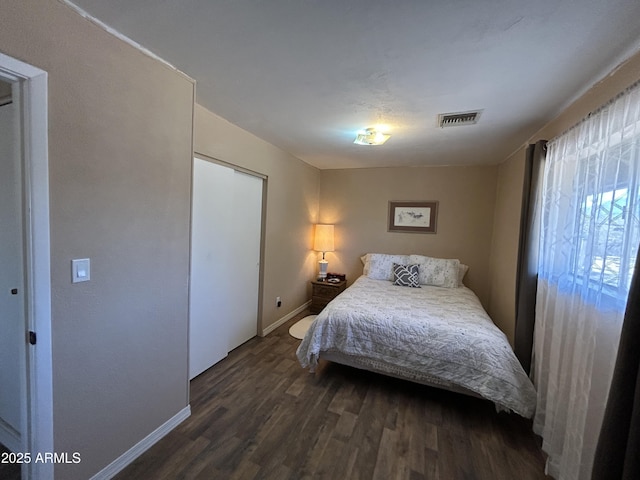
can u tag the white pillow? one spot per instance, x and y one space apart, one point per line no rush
379 266
439 272
462 271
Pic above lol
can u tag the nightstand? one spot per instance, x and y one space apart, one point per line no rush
323 292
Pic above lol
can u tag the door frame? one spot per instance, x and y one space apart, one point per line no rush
35 168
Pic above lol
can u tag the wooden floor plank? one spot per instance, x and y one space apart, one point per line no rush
338 461
310 464
386 466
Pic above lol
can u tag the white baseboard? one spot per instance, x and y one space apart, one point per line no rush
142 446
284 319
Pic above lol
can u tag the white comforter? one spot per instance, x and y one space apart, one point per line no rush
422 334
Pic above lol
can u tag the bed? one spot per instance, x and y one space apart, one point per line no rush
432 334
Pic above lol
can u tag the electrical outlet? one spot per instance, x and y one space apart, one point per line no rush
278 302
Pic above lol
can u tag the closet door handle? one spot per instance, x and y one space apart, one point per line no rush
14 291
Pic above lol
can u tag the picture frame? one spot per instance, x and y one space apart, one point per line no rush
413 217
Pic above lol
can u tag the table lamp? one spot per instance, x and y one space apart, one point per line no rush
323 242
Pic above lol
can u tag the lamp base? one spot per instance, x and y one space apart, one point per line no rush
322 271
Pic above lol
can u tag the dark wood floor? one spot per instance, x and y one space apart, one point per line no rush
259 415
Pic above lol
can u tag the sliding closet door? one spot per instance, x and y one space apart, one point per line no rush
211 254
225 262
247 226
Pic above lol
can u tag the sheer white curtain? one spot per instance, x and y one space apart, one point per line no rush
590 231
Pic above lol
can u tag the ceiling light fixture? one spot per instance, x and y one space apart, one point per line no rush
371 136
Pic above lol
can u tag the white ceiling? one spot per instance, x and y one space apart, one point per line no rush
306 75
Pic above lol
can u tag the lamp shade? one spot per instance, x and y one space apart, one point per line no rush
323 240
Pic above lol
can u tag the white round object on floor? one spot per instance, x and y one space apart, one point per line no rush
299 328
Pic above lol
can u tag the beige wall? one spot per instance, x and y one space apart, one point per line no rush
291 208
509 193
504 247
356 201
120 143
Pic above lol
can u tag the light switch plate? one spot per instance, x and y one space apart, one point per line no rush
80 270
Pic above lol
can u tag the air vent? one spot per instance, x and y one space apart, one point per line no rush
458 119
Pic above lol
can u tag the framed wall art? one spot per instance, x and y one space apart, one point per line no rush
414 217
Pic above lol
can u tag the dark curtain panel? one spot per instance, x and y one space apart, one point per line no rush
618 452
527 273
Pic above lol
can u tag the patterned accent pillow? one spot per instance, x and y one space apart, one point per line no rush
406 275
379 266
439 272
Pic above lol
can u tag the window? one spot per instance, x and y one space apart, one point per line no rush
607 214
593 190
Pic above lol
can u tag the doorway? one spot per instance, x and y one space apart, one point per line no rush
25 287
12 287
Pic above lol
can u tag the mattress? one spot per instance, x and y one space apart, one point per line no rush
433 335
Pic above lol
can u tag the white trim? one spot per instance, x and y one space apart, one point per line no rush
232 166
285 319
37 251
612 67
142 446
121 36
